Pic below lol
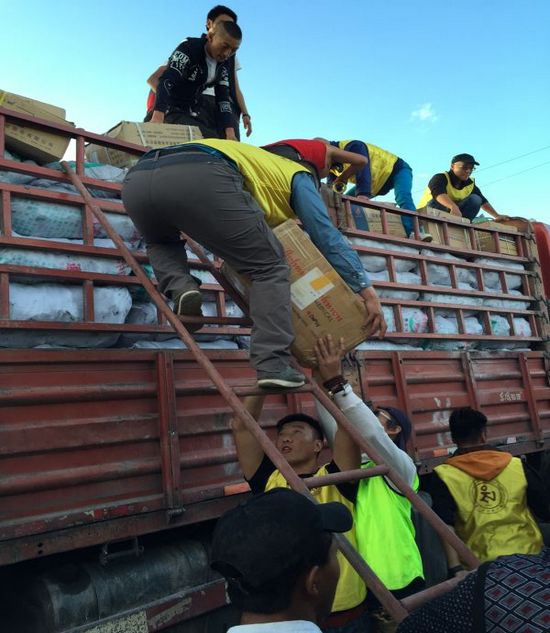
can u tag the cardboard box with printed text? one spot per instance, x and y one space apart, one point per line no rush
322 303
458 237
153 135
30 142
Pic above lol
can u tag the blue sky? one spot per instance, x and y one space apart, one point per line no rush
423 79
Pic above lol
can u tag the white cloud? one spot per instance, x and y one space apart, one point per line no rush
425 112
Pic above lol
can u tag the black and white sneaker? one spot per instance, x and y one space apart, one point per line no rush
287 378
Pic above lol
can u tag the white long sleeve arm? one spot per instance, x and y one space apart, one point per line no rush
357 412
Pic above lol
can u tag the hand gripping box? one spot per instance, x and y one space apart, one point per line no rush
31 142
322 303
153 135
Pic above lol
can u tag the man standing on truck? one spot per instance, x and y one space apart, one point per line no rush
300 441
278 557
195 65
455 191
227 196
383 172
487 495
219 13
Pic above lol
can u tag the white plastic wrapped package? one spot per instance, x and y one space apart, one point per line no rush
376 263
414 320
403 278
375 345
445 324
440 275
205 276
454 300
507 304
62 261
13 177
108 173
99 242
32 217
56 302
176 343
501 327
492 278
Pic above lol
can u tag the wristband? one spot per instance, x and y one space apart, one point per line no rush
246 114
334 382
453 571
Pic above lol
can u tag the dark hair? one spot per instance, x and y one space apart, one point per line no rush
218 10
466 424
302 417
275 595
232 29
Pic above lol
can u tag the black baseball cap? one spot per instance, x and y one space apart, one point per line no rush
301 417
464 158
272 533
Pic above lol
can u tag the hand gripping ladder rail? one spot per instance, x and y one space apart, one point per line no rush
396 608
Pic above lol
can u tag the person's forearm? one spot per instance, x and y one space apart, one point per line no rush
490 210
446 201
311 210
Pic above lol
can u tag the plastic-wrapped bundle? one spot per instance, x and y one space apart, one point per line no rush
491 278
109 173
32 217
374 345
376 263
507 304
440 275
56 302
453 300
414 320
446 324
403 278
13 177
176 343
501 327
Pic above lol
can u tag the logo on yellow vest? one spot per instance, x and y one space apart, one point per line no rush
488 496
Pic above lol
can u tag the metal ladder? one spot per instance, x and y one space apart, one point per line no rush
398 609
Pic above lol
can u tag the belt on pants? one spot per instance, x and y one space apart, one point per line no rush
156 159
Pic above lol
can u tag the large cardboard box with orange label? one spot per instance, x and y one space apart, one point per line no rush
153 135
30 142
322 303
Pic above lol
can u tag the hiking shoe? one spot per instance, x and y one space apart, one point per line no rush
424 237
287 378
189 302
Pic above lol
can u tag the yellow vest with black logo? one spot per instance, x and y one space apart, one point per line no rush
267 177
381 165
456 195
351 590
492 516
385 532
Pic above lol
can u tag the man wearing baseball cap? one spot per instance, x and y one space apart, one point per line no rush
277 554
455 191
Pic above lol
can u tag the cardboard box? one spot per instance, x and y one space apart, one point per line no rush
322 303
458 237
33 143
485 239
366 219
153 135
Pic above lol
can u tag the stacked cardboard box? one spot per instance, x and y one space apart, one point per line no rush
321 301
458 236
30 142
153 135
507 241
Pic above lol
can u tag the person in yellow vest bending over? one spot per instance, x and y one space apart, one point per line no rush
455 191
227 196
383 172
300 441
487 495
383 516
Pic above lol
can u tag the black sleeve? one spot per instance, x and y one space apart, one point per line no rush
223 102
348 489
259 479
443 503
438 185
478 192
538 493
176 71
